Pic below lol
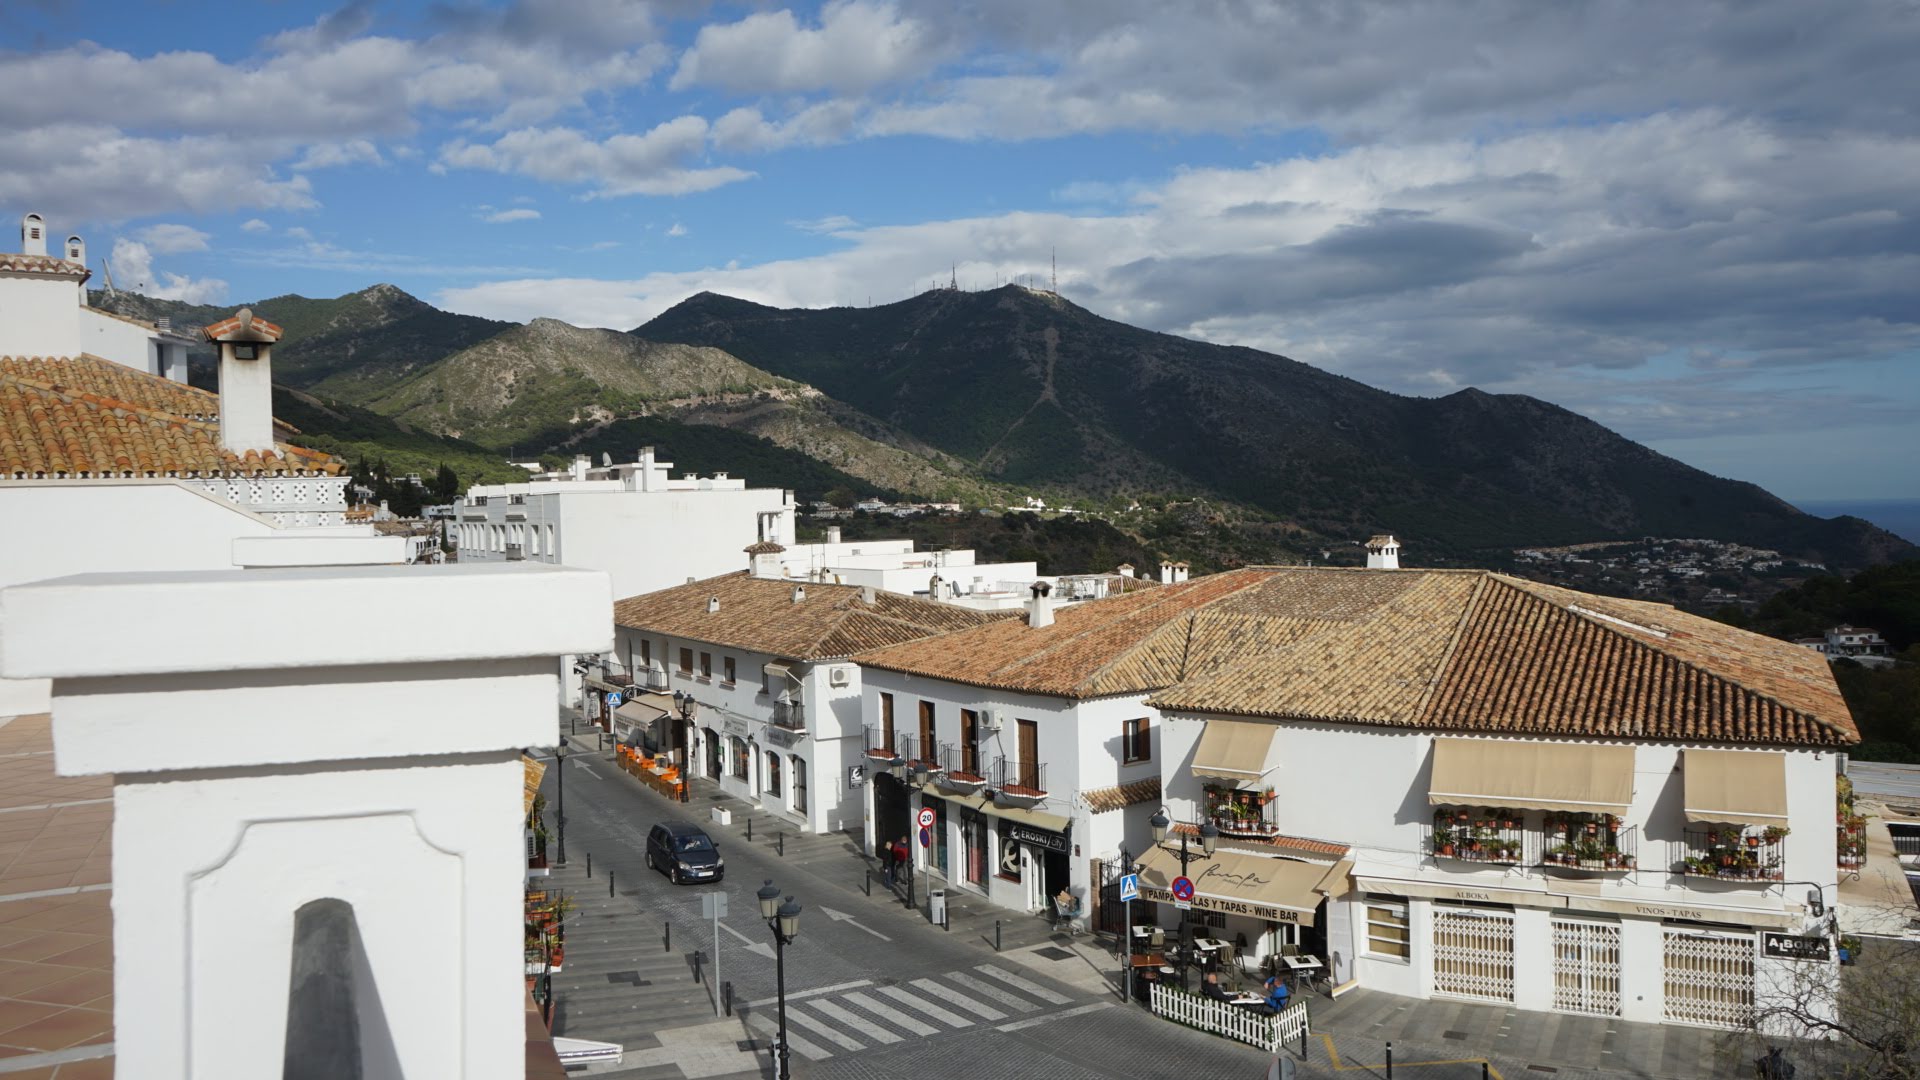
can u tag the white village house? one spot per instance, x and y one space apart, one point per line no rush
762 665
44 308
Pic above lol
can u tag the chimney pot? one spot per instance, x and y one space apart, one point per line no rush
713 604
799 593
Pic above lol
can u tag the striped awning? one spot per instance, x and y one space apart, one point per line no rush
1568 777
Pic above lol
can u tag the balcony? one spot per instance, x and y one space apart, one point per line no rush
791 715
1478 834
516 553
1590 843
1020 782
657 679
1242 812
1743 853
960 771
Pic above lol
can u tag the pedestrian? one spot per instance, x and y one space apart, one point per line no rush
886 864
901 856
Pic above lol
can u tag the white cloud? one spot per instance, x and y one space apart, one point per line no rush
677 230
333 155
501 217
137 274
101 174
173 239
837 223
856 46
653 163
255 225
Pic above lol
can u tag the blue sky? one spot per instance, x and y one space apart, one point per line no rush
1694 223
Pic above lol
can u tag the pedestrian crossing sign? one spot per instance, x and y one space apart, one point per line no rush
1130 887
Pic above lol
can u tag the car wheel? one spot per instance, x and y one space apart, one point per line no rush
650 865
674 876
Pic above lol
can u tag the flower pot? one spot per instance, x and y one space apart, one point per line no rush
1446 849
1753 841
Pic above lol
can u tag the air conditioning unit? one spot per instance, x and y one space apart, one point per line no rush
838 676
990 720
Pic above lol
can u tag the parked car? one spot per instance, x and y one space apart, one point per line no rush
684 853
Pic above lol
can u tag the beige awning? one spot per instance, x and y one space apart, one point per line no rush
1234 750
777 671
530 773
1741 787
1278 890
1572 777
1718 913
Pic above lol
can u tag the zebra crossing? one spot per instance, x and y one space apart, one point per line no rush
859 1016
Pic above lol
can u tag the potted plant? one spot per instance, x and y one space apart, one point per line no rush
1776 833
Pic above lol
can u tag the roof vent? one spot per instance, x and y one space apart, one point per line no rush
1040 608
867 595
799 593
713 604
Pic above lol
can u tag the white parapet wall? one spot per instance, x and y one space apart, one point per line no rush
370 756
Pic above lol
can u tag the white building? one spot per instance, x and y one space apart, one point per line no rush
634 522
776 713
44 310
1550 800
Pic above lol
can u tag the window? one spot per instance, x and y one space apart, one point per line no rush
726 670
686 661
1388 933
886 723
1028 774
706 665
740 758
927 744
799 783
646 652
773 774
1136 741
970 742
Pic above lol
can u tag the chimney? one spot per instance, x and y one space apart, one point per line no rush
581 463
76 251
868 596
713 604
799 593
1383 553
1166 571
1180 570
246 381
1126 569
1040 608
33 235
833 534
763 559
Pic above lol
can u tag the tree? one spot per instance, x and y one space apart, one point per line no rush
1871 1031
842 498
446 484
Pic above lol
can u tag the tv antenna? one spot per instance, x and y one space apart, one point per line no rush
1054 287
108 267
953 281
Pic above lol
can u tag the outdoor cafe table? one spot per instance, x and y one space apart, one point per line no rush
1303 967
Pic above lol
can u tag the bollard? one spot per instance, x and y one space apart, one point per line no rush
868 881
1483 1071
781 843
749 829
1389 1061
910 885
726 996
666 937
609 884
996 935
696 965
589 864
1306 1021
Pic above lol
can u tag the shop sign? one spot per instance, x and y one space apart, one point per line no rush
1795 947
780 736
733 725
1203 902
856 775
1040 838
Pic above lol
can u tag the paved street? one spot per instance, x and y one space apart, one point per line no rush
875 990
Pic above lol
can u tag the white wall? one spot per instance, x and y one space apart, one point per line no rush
120 341
40 314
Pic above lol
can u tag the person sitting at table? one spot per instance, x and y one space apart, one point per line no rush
1212 988
1277 993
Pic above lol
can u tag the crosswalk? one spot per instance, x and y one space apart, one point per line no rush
857 1016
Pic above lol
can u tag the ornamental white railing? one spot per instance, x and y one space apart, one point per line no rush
1268 1031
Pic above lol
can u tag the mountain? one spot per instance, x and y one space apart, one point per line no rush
352 347
1026 388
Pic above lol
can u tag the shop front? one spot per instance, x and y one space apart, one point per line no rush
1263 904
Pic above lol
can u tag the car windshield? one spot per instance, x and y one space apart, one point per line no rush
692 843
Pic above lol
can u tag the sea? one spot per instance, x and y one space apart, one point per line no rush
1900 517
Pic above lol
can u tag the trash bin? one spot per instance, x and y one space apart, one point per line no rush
937 906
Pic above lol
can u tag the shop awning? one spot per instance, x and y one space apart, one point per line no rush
981 804
1740 787
777 671
1571 777
1234 750
530 773
1278 890
641 714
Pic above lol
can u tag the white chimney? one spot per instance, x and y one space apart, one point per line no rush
246 381
1383 553
833 534
713 604
868 595
799 593
1180 570
763 559
76 251
1126 569
1166 571
581 463
1040 608
33 235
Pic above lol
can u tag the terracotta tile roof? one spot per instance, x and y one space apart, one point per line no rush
1102 800
760 615
90 416
764 547
1132 643
1475 651
42 264
1300 844
243 325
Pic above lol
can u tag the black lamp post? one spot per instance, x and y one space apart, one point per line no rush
689 708
784 920
560 762
1209 840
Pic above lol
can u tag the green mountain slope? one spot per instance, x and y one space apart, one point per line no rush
1027 388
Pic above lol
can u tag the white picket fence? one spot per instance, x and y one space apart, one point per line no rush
1269 1032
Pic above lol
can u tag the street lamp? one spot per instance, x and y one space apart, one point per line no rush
689 708
560 762
784 921
1209 840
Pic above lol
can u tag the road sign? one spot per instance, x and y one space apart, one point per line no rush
713 905
614 699
926 817
1183 890
1130 887
926 837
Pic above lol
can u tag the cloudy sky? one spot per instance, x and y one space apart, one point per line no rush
1697 223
